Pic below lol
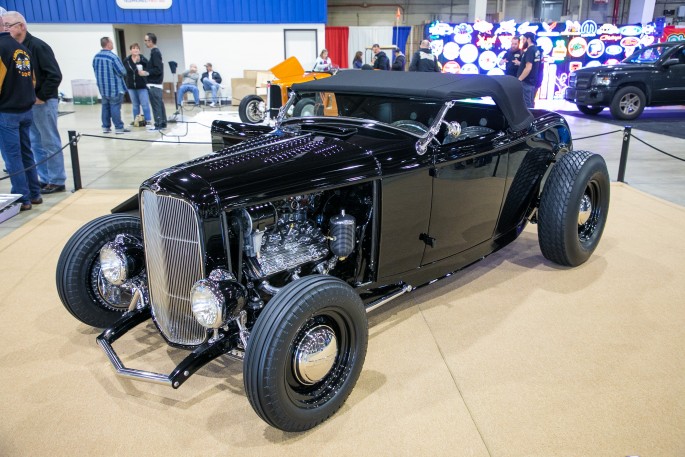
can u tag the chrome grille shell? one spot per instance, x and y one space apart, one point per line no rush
174 258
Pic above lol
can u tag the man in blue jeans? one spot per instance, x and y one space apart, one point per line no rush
17 95
45 139
109 74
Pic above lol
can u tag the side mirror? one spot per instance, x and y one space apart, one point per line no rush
670 62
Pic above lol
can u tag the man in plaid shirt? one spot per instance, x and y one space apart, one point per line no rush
110 73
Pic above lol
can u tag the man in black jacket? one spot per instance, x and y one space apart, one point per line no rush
380 60
211 80
424 60
45 139
155 79
17 95
400 60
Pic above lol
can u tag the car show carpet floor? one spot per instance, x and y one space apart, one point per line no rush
665 121
512 357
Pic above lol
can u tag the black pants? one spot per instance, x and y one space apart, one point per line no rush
158 110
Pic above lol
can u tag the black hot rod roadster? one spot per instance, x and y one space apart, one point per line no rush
272 249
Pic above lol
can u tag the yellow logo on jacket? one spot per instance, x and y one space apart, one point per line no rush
22 62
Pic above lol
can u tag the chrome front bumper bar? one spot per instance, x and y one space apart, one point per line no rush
203 354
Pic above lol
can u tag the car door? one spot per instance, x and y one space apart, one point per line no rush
668 82
468 180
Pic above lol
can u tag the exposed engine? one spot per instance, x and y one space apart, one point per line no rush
282 236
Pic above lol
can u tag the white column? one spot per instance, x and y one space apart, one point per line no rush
641 11
477 9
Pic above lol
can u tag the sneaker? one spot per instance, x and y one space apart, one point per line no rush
150 127
212 104
120 131
106 130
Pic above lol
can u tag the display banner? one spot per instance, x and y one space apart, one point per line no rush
566 46
144 4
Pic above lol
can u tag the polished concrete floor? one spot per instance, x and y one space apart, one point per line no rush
123 161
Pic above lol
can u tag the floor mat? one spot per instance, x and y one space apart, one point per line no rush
663 121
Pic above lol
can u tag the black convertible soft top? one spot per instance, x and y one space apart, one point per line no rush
505 90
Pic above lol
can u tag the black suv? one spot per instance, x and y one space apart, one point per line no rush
652 76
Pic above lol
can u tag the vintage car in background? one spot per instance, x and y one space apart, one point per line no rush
253 109
272 250
651 76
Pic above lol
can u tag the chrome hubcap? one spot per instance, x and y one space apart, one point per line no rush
585 210
315 354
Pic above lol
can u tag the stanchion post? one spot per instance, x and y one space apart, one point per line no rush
75 166
624 153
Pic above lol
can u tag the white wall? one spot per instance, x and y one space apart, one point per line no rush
234 48
75 61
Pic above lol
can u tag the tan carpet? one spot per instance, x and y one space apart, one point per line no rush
513 357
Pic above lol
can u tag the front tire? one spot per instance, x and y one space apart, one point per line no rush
590 110
573 208
305 353
83 290
628 103
251 109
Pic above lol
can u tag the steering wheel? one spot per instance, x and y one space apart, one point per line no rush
410 126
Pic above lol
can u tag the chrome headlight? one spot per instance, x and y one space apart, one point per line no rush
113 264
207 303
216 300
601 80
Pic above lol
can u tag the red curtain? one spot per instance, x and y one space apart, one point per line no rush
336 43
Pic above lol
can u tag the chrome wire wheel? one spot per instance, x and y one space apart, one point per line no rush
116 298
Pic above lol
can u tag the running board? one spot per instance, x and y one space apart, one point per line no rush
404 288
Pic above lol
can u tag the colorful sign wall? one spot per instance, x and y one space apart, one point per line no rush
566 46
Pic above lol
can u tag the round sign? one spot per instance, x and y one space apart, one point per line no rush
469 69
613 50
577 46
450 51
451 67
545 44
595 48
469 53
487 60
496 72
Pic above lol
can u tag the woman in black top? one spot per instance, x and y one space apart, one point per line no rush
137 84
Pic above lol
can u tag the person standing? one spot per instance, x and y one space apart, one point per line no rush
109 74
45 139
424 60
380 60
512 58
137 84
155 79
528 69
211 81
400 60
323 62
17 95
189 84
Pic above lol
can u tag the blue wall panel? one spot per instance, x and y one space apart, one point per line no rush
181 12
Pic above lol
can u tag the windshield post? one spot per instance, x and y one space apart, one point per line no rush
424 141
284 109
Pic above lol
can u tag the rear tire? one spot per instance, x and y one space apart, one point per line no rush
628 103
305 353
80 285
573 208
590 110
305 107
249 109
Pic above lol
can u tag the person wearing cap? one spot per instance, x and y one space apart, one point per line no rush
211 81
529 67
